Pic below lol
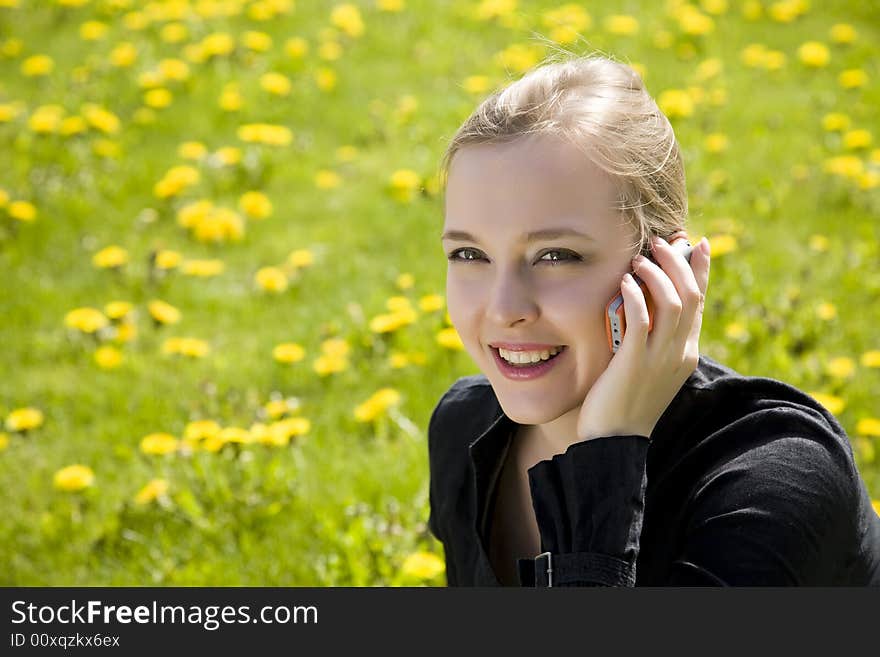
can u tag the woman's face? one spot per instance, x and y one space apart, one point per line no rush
551 290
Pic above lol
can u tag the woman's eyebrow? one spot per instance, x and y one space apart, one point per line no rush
543 234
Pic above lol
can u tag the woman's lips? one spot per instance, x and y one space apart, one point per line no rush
532 371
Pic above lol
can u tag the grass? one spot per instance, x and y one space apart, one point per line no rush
346 503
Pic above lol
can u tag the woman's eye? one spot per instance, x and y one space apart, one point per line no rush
561 255
454 255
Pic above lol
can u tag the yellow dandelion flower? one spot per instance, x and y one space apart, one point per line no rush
218 44
110 257
125 332
386 323
162 312
722 244
200 430
74 478
476 84
73 125
255 205
869 180
841 367
694 22
448 338
296 47
230 99
153 490
263 133
276 84
202 268
9 111
868 426
4 441
819 243
347 17
753 55
856 139
367 411
22 211
256 41
404 184
301 258
397 360
432 302
826 311
93 30
174 69
227 155
397 303
24 419
814 54
37 65
335 347
117 309
325 78
852 78
518 58
288 352
675 103
716 142
159 444
390 5
166 259
326 179
107 357
423 565
192 150
87 320
843 33
737 332
870 358
848 166
158 98
405 281
832 403
101 118
190 347
271 279
621 24
276 408
174 33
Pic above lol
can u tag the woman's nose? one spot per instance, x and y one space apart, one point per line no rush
510 300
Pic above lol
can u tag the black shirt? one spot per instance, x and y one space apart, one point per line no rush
744 481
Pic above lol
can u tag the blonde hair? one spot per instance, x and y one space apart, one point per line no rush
603 108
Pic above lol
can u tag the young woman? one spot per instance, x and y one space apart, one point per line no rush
570 462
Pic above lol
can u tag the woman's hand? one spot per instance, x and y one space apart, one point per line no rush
648 369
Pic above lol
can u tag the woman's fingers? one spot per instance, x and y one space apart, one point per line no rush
668 305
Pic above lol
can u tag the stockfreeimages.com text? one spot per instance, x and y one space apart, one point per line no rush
210 617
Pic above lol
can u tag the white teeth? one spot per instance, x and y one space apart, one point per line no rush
523 357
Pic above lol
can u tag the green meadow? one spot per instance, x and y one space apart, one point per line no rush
223 317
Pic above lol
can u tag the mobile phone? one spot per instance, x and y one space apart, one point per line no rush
615 318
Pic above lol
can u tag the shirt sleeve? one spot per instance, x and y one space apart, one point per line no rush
433 485
775 506
589 505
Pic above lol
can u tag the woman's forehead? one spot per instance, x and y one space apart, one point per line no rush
540 184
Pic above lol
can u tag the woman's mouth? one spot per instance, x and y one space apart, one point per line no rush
529 370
